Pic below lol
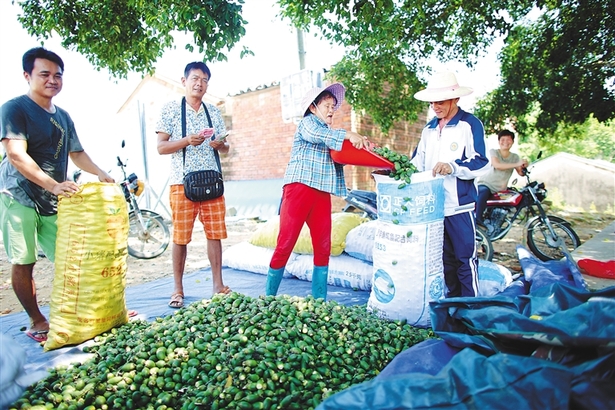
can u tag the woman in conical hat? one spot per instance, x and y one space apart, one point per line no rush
310 179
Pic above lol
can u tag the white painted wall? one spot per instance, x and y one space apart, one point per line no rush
580 183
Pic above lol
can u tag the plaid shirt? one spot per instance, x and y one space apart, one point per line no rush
310 160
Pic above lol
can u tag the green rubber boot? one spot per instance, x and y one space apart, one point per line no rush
319 282
274 277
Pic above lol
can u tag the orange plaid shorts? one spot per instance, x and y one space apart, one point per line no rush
210 213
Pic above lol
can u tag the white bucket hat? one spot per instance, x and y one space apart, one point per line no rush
337 89
442 86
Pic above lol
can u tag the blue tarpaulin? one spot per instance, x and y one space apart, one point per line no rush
544 342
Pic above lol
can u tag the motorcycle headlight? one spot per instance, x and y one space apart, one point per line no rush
137 187
140 188
541 194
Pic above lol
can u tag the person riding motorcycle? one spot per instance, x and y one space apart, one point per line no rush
496 179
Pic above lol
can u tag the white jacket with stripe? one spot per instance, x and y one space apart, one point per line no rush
461 143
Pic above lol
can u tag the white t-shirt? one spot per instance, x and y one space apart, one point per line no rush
496 179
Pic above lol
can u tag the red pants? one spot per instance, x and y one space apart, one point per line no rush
302 204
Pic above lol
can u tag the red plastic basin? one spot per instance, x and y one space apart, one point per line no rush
349 155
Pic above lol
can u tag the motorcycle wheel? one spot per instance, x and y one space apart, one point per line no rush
542 244
153 240
484 246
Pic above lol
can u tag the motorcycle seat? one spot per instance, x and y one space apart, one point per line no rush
506 197
502 194
365 195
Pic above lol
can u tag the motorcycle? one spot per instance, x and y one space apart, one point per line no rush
548 237
363 202
366 204
148 235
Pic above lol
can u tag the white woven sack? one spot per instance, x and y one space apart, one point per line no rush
492 278
251 258
360 241
344 271
408 269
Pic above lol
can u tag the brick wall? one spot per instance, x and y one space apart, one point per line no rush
261 141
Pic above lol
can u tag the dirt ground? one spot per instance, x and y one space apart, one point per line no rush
140 271
585 224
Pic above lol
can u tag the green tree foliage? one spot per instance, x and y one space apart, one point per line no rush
591 139
389 43
131 35
562 64
390 96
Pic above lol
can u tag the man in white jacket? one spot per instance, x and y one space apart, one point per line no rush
453 145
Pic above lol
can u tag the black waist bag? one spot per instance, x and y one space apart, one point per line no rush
45 203
203 185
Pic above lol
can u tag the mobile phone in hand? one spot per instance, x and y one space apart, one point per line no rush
221 138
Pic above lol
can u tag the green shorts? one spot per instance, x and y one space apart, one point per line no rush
24 230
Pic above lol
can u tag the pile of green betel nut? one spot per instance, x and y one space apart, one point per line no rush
403 169
231 351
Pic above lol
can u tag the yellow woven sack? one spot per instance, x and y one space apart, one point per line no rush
341 223
266 236
88 295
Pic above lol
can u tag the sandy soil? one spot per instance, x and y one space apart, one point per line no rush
141 271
